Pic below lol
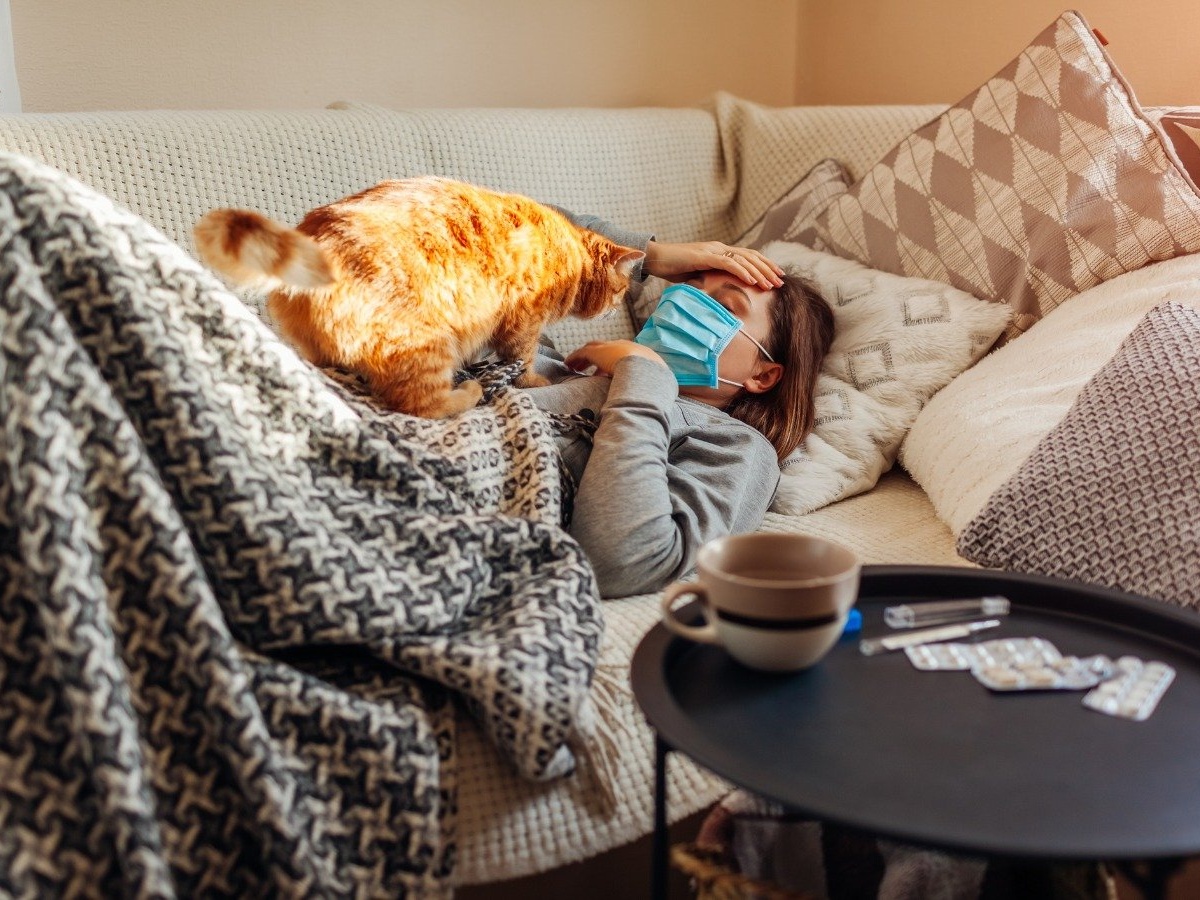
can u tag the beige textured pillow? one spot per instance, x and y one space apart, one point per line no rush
1112 494
978 430
789 218
1046 181
897 341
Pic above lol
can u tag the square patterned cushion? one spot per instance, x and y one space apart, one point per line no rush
1111 495
789 218
1047 180
897 341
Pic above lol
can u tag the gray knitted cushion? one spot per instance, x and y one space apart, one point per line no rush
1112 494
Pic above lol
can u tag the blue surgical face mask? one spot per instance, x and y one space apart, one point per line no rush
689 329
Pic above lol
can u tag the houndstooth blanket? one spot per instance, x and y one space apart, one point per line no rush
238 603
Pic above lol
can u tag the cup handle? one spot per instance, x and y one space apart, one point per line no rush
706 633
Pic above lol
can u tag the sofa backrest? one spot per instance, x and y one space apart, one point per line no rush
682 173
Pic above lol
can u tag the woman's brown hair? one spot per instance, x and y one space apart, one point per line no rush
801 332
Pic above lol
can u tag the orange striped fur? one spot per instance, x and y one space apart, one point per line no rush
409 279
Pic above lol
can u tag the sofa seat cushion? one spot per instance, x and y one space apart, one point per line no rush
892 524
509 828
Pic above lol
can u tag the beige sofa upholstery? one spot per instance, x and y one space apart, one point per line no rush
684 173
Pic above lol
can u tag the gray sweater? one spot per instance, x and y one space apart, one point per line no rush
661 475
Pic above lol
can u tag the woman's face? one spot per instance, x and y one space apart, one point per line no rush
741 359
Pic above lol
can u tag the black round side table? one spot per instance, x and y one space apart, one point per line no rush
935 758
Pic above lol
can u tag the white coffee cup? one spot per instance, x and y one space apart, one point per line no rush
777 602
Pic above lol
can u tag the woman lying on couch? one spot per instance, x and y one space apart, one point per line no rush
692 416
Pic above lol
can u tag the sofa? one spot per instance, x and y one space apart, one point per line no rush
716 172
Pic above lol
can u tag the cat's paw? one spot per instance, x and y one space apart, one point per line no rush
531 379
466 396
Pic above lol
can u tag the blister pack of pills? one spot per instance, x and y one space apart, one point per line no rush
965 657
1135 693
1068 673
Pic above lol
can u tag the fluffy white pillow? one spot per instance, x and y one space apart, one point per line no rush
974 435
897 341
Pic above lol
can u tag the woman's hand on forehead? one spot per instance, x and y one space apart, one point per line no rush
678 261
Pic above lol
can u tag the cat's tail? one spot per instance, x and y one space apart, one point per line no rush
252 250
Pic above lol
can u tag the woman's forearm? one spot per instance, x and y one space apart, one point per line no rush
623 511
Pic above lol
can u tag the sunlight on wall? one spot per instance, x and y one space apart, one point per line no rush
142 54
937 51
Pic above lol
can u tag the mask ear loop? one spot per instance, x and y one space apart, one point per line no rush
761 348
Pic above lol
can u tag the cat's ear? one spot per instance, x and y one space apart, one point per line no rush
627 260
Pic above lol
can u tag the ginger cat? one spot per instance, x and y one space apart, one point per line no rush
409 279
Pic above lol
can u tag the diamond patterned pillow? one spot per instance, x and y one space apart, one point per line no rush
789 218
1111 494
897 341
1047 180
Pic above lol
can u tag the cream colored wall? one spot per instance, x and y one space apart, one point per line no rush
937 51
140 54
145 54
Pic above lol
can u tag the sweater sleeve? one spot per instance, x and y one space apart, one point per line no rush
636 240
644 507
